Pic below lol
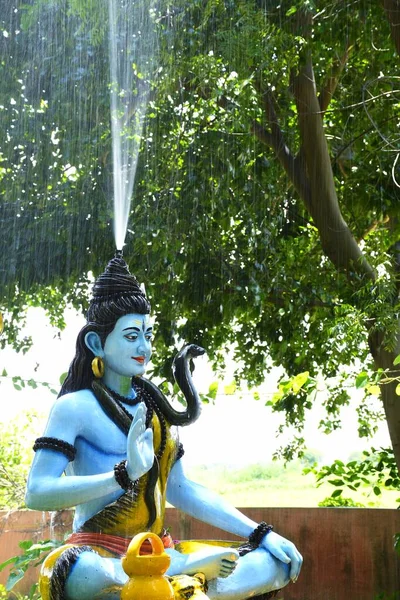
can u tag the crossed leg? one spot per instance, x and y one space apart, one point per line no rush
97 578
256 573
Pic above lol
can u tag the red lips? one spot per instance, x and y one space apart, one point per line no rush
139 359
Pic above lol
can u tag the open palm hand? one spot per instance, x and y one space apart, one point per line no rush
140 452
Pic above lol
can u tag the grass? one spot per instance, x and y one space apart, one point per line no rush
273 484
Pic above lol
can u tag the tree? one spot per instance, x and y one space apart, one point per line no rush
265 213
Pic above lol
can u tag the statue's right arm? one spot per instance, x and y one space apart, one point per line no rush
47 489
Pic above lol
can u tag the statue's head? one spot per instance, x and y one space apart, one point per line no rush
118 313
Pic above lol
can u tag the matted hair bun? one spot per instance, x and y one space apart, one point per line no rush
117 287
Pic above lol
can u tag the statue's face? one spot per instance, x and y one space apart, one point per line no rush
127 349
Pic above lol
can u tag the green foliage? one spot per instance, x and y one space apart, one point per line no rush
4 595
384 596
17 437
397 543
376 470
32 555
340 502
265 291
19 383
276 484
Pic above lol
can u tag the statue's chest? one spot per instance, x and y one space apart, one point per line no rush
100 434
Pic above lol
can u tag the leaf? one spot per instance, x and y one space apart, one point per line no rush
336 481
277 397
377 490
213 390
13 579
291 11
299 381
336 493
398 389
374 390
397 539
63 377
397 360
230 389
7 562
362 379
4 373
42 546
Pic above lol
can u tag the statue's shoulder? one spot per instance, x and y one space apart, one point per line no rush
74 404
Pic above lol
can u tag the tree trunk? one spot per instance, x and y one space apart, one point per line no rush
392 8
391 401
337 240
311 175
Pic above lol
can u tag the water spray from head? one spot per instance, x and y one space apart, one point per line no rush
132 46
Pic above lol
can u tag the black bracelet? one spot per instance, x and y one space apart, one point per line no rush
122 477
52 443
255 538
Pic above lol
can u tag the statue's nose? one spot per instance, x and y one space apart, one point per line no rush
143 347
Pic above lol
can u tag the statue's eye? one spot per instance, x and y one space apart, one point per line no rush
131 337
148 337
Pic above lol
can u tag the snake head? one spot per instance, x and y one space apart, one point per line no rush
192 350
186 354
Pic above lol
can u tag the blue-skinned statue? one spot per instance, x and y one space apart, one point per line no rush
111 450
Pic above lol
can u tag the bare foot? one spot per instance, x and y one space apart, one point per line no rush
213 562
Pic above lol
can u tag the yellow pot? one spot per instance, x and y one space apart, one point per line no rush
146 572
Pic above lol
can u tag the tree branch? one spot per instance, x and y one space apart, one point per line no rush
336 238
276 140
331 84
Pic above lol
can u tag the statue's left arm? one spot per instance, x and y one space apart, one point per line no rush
207 506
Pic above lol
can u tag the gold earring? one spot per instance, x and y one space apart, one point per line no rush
98 367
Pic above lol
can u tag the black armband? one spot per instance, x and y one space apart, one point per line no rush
51 443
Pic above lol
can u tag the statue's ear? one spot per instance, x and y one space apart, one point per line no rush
93 342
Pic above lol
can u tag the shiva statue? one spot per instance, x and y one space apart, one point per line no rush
111 450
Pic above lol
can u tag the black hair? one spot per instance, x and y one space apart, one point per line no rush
115 293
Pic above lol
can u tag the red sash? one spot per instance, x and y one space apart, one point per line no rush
114 543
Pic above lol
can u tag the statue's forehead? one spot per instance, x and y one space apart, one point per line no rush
135 320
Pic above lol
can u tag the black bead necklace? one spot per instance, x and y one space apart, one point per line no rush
120 398
143 396
152 407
